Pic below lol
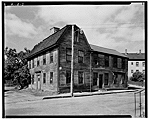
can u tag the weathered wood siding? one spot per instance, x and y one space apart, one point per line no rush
47 68
82 45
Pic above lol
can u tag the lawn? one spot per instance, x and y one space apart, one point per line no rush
136 83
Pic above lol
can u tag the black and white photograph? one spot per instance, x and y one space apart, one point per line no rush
74 59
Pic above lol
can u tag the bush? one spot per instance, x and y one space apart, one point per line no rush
137 76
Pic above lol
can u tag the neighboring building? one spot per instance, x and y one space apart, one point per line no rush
136 62
94 67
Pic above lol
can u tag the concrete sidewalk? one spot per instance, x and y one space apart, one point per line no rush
87 94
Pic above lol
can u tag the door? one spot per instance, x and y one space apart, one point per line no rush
38 83
100 80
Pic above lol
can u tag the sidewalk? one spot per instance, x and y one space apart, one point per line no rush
23 96
87 94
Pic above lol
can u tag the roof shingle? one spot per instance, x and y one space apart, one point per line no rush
136 56
106 50
47 42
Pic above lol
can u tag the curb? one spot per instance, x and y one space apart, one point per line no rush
88 94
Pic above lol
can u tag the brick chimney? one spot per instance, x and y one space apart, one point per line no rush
126 52
54 30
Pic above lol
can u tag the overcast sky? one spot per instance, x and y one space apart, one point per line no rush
117 27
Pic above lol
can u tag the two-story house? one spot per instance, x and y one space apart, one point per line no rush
94 67
136 62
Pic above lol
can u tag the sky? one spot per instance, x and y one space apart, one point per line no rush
116 27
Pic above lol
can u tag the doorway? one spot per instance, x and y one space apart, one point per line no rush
100 80
38 83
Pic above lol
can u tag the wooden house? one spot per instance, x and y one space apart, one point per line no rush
94 67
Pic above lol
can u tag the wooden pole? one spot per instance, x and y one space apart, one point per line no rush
140 103
135 103
90 71
72 76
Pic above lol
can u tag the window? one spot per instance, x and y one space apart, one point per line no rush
131 63
95 59
44 77
95 76
119 63
38 61
123 63
137 70
32 79
115 62
33 63
44 59
80 56
51 77
106 61
68 76
80 77
29 64
143 64
106 78
76 36
51 57
137 64
68 54
102 60
131 71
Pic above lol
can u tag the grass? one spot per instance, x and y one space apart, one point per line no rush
136 83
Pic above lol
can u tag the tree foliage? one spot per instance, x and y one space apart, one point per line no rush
15 68
138 76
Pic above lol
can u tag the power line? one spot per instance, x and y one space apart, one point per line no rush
108 27
117 23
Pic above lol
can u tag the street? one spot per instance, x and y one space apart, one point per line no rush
109 104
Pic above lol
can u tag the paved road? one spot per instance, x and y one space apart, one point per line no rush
110 104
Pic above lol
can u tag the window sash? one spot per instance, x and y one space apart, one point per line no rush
114 61
106 78
44 59
123 63
51 57
80 77
76 36
44 77
68 54
80 56
143 64
80 59
51 77
106 61
137 64
68 76
33 63
95 76
32 79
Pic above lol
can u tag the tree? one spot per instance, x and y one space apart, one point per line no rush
138 76
15 68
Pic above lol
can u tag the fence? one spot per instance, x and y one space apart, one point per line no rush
141 108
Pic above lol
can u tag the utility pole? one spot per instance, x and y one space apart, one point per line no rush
72 75
90 70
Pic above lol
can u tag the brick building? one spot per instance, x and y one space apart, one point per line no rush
94 67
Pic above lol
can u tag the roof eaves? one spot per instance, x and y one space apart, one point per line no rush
40 51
